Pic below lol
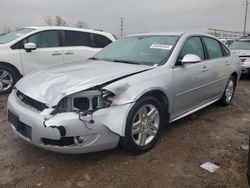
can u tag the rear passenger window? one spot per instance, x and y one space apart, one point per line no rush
76 38
101 41
45 39
192 46
213 47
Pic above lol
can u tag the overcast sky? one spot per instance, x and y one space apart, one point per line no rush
139 15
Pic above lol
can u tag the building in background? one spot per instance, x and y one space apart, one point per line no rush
224 33
219 33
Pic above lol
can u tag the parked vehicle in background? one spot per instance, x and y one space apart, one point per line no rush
227 42
242 48
31 48
124 94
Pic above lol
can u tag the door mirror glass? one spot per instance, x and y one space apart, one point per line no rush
29 46
190 58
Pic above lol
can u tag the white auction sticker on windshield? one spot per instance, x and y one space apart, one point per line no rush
161 46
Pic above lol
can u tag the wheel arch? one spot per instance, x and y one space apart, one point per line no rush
161 97
12 67
235 75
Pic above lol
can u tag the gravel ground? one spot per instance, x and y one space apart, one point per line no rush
214 134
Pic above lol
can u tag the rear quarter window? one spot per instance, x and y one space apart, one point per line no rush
76 38
226 51
101 41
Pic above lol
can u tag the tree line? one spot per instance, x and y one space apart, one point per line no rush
52 21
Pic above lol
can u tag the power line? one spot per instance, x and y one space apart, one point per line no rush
184 13
122 25
245 23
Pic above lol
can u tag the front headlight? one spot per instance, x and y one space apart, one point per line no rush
86 101
107 99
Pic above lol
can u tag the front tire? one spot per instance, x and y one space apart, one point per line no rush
8 78
228 94
143 126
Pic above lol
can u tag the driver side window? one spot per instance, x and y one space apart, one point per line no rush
192 46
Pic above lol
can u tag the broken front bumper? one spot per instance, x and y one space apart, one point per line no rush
63 132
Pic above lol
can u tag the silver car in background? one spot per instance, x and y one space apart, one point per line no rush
242 48
123 95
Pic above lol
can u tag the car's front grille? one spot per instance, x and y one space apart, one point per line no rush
30 102
20 127
242 59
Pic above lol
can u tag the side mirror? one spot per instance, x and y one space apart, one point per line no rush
29 46
190 58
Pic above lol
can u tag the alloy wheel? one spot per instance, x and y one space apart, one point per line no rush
145 125
229 90
6 80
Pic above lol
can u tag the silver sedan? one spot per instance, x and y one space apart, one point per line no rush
123 95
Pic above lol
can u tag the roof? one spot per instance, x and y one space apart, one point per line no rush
67 28
174 34
158 33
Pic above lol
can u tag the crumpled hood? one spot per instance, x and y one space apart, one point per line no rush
242 52
51 84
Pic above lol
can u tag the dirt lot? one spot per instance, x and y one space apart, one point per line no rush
214 134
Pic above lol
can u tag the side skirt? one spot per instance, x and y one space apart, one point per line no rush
190 111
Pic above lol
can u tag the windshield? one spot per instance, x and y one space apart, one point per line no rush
240 45
14 35
147 50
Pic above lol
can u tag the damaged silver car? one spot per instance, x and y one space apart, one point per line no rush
123 95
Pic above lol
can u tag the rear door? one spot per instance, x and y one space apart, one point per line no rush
218 64
190 79
78 46
49 51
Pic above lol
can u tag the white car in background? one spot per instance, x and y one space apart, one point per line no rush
227 42
242 48
31 48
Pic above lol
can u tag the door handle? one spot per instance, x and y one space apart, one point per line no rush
227 63
69 53
56 53
204 69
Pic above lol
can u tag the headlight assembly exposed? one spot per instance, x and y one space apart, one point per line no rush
107 99
86 101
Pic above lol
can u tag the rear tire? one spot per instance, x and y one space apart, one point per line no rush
8 78
228 94
143 126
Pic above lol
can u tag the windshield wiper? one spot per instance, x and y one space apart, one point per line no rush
128 62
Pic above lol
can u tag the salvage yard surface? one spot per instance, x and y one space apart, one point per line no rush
214 134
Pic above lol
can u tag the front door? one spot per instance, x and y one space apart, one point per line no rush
49 51
190 79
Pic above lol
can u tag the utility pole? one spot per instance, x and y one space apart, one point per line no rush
122 26
245 23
